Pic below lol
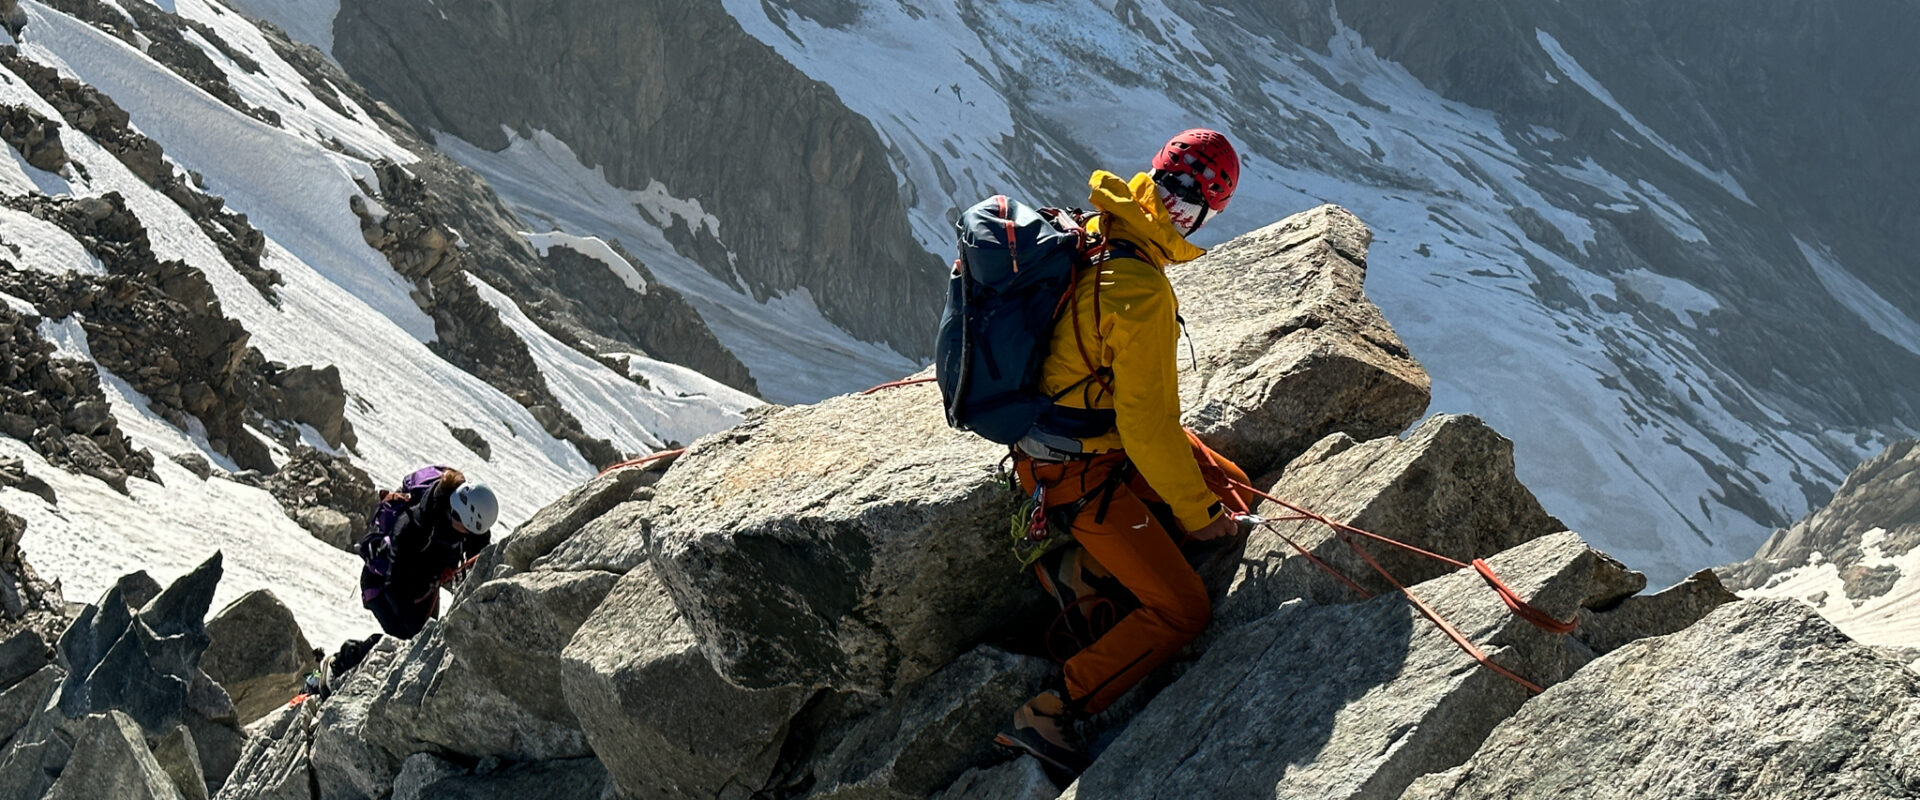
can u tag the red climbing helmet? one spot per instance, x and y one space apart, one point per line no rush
1207 162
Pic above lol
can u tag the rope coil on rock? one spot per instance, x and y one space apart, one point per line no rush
1520 608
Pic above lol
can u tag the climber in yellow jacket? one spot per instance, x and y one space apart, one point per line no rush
1115 346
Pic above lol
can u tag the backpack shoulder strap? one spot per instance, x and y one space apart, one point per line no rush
1096 250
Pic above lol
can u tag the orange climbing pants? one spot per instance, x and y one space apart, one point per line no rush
1121 531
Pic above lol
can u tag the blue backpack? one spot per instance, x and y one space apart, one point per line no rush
1015 275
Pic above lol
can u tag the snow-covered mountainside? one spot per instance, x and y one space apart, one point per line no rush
254 265
741 183
1857 560
1665 257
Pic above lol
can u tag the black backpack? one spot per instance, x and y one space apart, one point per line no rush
1015 275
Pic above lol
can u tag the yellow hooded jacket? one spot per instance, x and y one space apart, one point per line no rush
1135 335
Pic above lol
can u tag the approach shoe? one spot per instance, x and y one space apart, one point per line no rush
1043 729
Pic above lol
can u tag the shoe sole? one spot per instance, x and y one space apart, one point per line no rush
1022 748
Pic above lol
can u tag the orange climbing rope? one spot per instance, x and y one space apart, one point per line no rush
907 382
643 460
1512 599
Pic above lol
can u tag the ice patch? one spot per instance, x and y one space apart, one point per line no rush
19 306
1671 213
1883 317
69 340
1635 196
665 208
1684 299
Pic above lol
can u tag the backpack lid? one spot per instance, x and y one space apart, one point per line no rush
1001 237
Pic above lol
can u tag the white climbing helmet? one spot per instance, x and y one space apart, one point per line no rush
475 506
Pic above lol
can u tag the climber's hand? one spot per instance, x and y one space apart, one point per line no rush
1221 526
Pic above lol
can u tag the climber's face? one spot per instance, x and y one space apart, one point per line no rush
1185 205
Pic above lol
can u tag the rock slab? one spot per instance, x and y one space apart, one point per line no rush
111 759
1762 699
257 654
881 528
1348 701
656 711
1289 347
1448 487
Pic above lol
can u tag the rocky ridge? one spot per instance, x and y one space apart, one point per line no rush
801 186
329 496
123 691
603 649
1857 560
157 324
581 304
56 406
1880 494
408 230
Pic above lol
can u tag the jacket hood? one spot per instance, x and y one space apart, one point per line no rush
1132 211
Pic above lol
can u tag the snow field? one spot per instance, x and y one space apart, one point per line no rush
309 21
279 87
592 248
1892 619
794 354
612 406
